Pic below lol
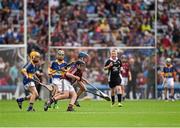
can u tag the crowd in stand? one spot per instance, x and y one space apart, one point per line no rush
37 26
168 34
102 23
11 22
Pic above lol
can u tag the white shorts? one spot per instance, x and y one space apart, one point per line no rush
124 81
63 85
30 84
169 82
56 81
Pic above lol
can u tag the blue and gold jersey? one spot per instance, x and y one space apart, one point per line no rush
169 71
31 70
55 69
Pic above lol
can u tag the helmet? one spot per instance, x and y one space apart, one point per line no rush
82 55
60 52
34 54
60 55
168 60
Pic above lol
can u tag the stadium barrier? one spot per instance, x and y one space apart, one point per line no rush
7 91
160 91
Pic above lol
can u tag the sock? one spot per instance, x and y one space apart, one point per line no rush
55 102
119 97
113 99
70 106
52 100
172 97
25 98
77 98
31 104
37 98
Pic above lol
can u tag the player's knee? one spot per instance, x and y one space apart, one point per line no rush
112 90
74 95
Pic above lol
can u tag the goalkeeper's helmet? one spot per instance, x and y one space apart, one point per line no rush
34 56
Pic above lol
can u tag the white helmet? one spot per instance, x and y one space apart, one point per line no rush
60 52
168 60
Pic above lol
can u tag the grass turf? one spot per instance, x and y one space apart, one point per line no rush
144 113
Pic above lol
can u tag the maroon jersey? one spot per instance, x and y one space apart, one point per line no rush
73 70
125 70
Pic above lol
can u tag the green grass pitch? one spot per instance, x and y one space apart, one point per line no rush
143 113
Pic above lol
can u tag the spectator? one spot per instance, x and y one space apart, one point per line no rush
96 21
13 73
11 22
37 15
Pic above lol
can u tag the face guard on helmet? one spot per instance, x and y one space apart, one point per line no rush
60 55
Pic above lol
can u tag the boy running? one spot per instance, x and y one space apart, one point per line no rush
28 71
56 71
